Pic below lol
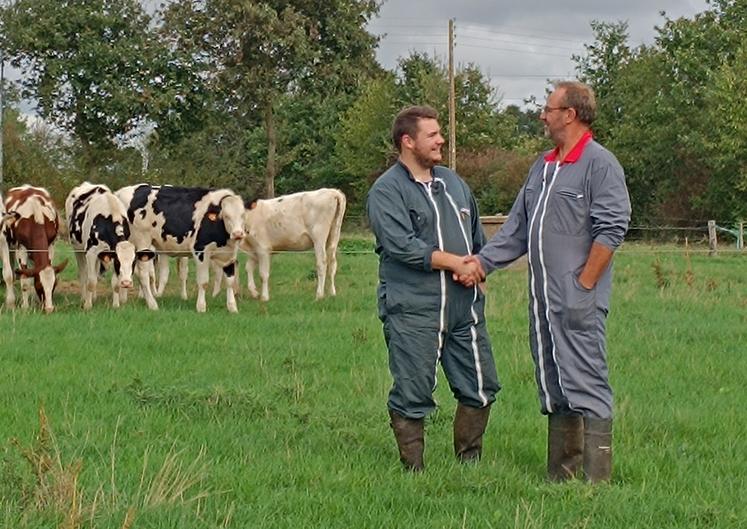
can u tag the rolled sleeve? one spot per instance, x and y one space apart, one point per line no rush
610 205
390 222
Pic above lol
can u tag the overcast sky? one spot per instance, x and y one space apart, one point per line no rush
518 44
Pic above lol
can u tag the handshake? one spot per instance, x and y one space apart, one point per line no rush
468 271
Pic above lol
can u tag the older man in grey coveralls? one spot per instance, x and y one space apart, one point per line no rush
425 219
569 217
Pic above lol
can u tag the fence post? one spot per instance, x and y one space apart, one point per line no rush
740 236
712 241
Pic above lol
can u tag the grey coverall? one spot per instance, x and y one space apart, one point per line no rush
427 316
561 209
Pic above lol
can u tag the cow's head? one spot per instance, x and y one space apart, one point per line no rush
232 214
125 263
45 282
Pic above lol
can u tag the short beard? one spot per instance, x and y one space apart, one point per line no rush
424 161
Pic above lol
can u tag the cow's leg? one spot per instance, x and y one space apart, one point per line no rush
163 274
264 274
217 279
80 258
203 277
123 294
92 271
332 268
144 270
230 273
251 263
321 268
27 283
183 274
10 295
115 290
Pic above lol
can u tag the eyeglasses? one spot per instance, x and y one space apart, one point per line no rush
547 110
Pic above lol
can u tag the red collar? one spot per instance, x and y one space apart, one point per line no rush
574 154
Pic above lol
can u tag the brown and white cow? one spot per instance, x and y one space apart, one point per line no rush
30 232
208 224
310 219
99 233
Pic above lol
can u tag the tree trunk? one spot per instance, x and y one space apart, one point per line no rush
89 159
271 168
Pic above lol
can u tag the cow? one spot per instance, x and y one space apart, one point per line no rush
178 221
310 219
99 234
31 225
10 298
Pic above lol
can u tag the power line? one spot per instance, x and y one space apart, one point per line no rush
518 43
531 52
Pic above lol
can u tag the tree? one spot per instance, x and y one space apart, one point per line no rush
94 68
256 53
363 145
601 68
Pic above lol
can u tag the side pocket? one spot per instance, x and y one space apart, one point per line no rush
580 304
381 302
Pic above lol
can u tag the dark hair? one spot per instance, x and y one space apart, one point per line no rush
580 97
406 122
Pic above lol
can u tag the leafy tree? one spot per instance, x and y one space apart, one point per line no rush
601 68
256 53
94 68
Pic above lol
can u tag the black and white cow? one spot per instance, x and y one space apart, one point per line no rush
208 224
99 233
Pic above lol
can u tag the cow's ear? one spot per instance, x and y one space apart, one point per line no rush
145 255
60 267
212 216
24 272
10 218
250 204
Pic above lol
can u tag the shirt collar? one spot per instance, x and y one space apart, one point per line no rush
574 154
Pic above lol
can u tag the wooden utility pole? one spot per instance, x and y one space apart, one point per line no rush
452 100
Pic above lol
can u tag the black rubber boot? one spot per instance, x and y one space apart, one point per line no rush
565 446
597 449
469 427
410 436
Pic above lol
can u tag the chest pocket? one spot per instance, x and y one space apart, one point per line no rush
419 220
530 199
570 211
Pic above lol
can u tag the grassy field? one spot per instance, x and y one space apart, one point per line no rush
275 417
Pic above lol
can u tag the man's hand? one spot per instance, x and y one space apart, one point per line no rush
469 272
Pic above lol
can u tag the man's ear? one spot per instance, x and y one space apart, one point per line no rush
408 141
572 117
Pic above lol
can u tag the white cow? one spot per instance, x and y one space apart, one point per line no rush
178 221
99 233
310 219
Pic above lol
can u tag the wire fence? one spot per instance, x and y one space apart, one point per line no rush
640 239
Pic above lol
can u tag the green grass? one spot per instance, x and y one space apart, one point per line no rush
276 417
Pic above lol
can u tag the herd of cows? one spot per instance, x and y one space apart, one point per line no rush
134 230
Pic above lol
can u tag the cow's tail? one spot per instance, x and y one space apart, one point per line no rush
334 234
